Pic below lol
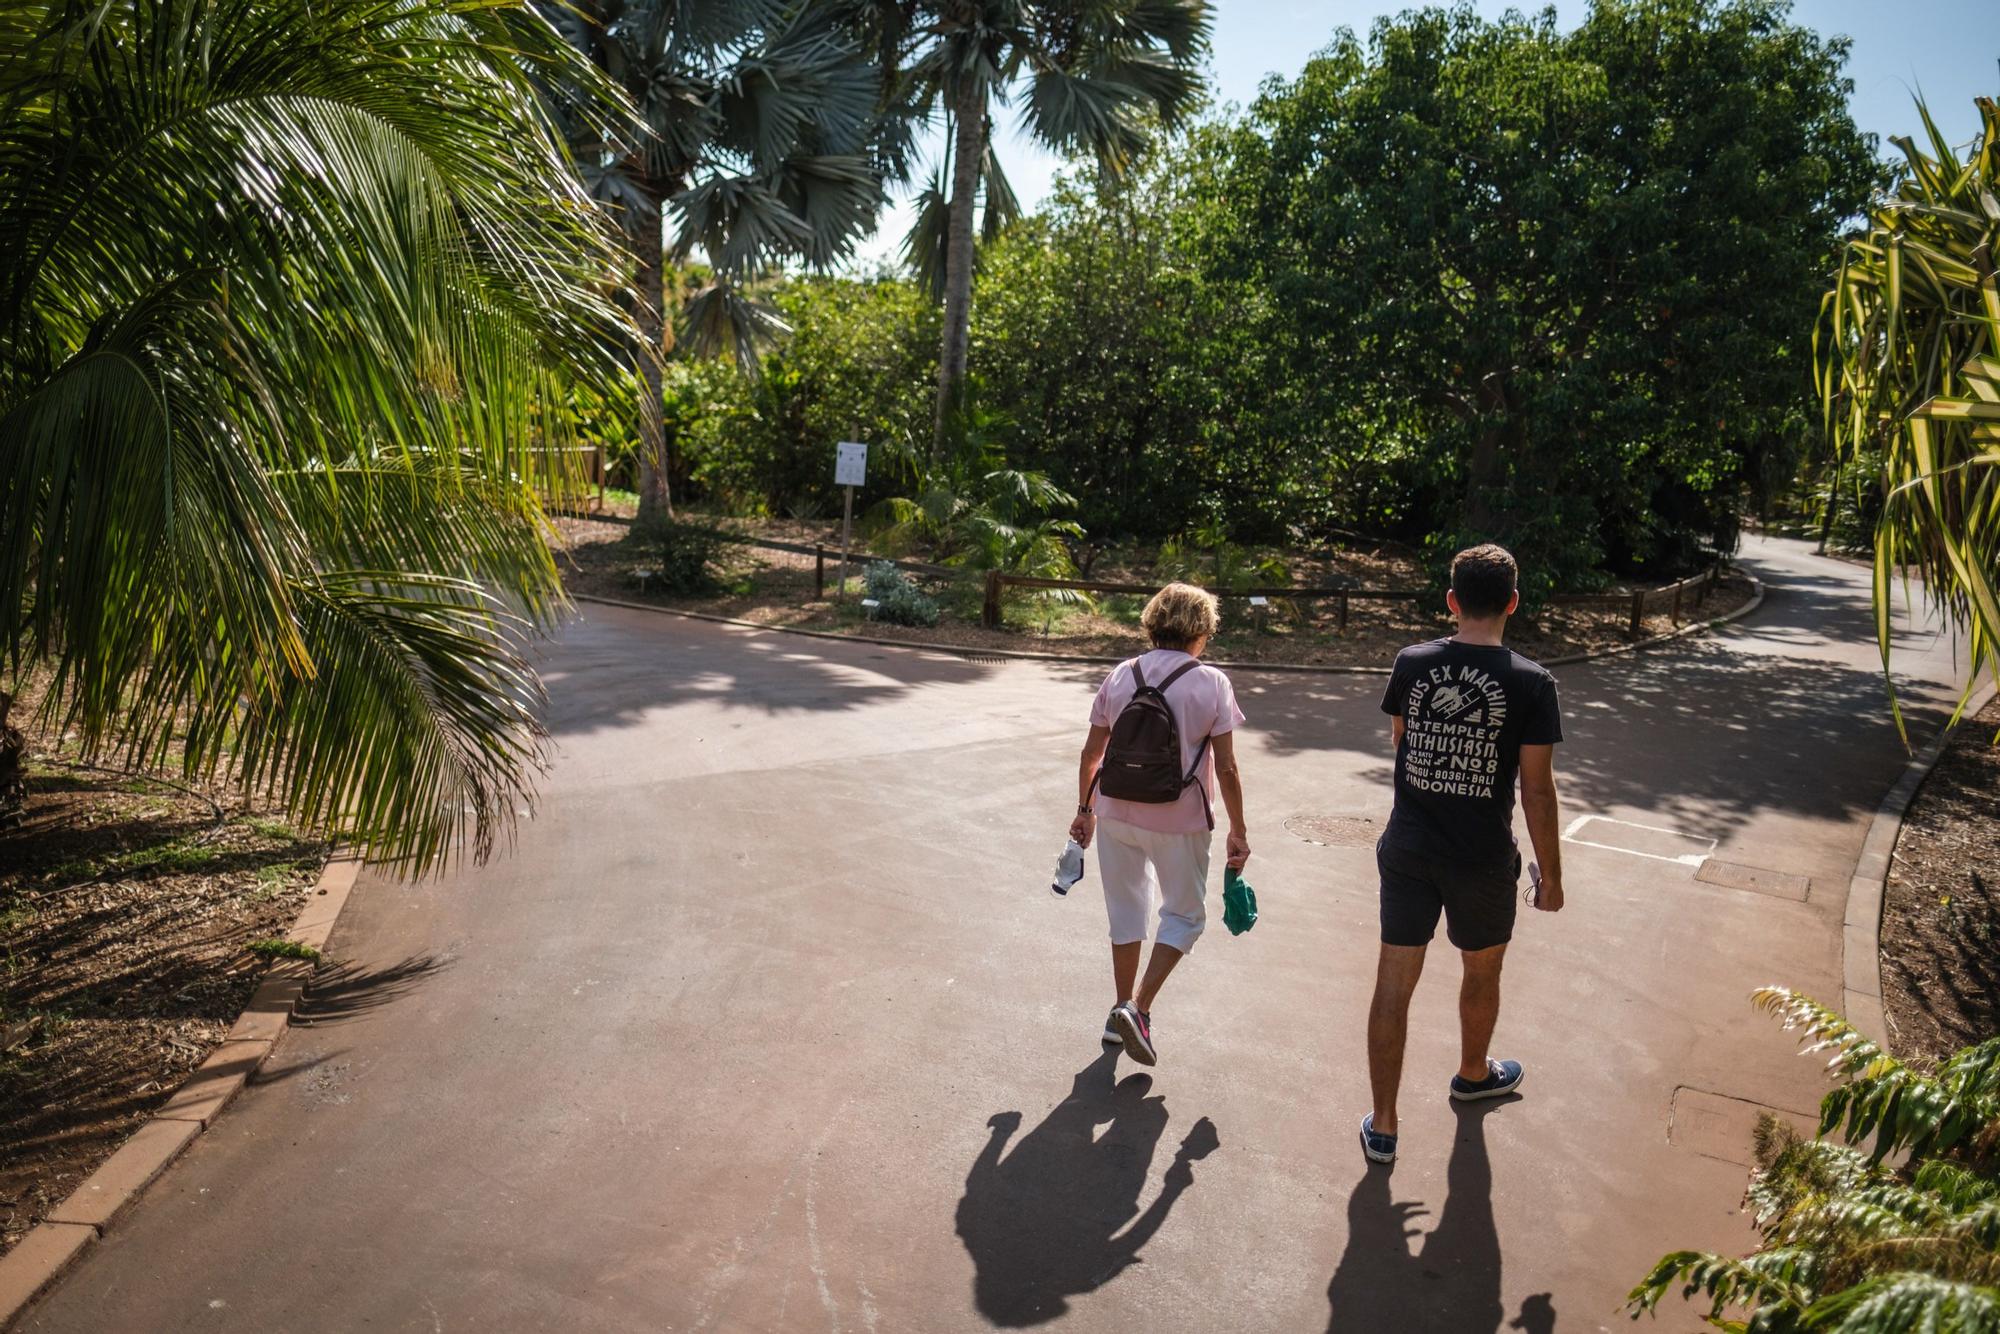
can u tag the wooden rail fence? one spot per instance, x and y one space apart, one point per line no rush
819 551
1678 594
1696 586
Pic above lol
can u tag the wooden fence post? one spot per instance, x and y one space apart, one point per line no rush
989 614
819 572
1638 611
1675 615
1343 613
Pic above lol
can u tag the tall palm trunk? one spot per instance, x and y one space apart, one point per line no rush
655 497
968 152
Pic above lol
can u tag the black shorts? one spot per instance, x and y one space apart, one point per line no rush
1477 901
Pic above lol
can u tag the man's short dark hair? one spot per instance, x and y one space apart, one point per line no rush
1484 578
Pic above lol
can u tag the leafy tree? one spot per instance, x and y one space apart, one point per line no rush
853 368
285 290
1853 1245
1137 372
764 134
1094 75
1910 375
1566 273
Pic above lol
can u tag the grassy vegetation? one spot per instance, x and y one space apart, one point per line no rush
283 949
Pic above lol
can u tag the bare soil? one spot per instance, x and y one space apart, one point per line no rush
127 905
601 558
1941 911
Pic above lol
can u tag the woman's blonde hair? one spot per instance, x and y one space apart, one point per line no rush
1179 614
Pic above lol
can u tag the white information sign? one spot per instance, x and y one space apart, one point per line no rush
1260 602
850 463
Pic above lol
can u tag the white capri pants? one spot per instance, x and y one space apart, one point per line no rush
1134 862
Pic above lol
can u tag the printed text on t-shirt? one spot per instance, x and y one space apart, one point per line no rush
1452 728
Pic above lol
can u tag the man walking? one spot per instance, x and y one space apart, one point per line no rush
1470 714
1161 748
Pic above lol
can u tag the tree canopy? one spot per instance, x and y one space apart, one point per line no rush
1563 274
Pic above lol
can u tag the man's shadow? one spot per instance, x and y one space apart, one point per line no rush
1453 1283
1044 1223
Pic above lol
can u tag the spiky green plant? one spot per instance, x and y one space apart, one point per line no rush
1851 1241
968 507
289 292
1909 368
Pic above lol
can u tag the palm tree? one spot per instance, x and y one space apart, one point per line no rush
1851 1244
764 132
1094 74
1909 367
289 293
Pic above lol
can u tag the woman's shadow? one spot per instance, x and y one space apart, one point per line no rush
1044 1223
1453 1283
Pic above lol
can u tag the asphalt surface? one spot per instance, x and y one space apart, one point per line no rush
769 1020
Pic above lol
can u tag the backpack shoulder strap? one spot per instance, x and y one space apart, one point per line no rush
1176 674
1140 676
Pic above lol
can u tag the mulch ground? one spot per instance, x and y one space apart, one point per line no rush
127 906
1941 912
599 557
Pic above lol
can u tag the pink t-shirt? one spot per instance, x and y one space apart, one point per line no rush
1204 705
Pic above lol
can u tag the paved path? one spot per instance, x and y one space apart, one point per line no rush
770 1022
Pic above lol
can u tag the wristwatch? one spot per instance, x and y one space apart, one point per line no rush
1085 810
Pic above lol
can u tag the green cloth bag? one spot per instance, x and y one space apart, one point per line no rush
1239 902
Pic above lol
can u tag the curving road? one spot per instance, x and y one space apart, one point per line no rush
770 1022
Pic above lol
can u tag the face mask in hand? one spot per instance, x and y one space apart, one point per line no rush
1069 868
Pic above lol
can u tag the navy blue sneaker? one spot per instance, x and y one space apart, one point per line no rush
1378 1147
1502 1078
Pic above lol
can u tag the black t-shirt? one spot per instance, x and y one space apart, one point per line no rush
1467 710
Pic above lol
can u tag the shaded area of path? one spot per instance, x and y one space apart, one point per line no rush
720 1046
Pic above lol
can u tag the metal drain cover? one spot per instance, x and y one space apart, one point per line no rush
1756 879
1335 831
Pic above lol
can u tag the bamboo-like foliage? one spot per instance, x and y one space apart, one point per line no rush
1908 352
1851 1243
289 296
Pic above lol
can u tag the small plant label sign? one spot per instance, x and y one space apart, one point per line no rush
850 463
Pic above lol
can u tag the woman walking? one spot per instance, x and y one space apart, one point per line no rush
1161 748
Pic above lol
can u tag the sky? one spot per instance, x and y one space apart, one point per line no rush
1950 49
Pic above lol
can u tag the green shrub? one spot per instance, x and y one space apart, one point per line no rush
283 949
1860 1238
685 555
900 601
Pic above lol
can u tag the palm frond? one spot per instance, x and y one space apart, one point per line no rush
929 234
288 289
719 318
1908 353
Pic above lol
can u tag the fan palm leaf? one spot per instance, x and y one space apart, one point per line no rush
767 132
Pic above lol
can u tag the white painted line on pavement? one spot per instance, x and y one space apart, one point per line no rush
1694 859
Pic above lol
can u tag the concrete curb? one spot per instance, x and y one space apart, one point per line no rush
54 1244
1028 655
1861 924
